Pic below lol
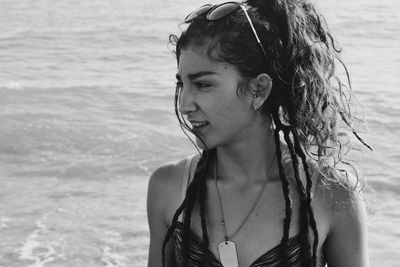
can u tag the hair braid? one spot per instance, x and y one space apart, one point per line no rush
171 229
304 222
191 194
202 198
187 207
299 151
285 189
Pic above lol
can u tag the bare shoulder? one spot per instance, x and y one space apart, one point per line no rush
166 175
163 197
164 189
345 213
337 198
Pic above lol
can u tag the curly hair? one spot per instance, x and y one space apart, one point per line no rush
308 102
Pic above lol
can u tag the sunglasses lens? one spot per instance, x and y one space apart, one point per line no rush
198 12
222 10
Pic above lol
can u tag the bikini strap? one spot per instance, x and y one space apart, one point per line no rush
188 173
185 178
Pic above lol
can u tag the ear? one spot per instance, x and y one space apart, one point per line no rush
261 89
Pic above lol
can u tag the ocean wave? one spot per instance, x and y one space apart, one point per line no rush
38 252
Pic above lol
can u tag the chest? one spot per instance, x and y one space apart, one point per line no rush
259 234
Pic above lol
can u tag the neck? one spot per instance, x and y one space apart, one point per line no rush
248 162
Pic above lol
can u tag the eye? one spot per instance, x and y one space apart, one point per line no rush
202 85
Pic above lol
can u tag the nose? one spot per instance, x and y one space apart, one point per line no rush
187 101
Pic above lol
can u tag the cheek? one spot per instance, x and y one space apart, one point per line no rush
233 111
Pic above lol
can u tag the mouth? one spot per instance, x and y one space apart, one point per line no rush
198 125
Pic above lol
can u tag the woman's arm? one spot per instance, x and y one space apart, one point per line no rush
158 205
346 243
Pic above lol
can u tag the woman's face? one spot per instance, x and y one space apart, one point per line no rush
209 99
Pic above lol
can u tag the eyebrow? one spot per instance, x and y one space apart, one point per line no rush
196 75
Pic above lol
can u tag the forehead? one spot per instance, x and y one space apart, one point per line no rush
197 58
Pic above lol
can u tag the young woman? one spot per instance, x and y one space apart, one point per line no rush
256 85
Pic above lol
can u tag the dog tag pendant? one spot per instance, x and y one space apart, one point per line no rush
228 254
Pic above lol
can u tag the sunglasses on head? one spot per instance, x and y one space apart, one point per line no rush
215 12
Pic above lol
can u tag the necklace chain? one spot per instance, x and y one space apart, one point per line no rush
229 237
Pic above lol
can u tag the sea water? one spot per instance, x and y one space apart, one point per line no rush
86 114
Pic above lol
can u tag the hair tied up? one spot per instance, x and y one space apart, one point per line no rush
264 6
277 11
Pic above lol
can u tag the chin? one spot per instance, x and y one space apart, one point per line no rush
200 144
206 145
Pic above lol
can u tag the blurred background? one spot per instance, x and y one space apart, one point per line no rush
86 114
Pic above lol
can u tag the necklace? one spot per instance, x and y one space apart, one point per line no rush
227 248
